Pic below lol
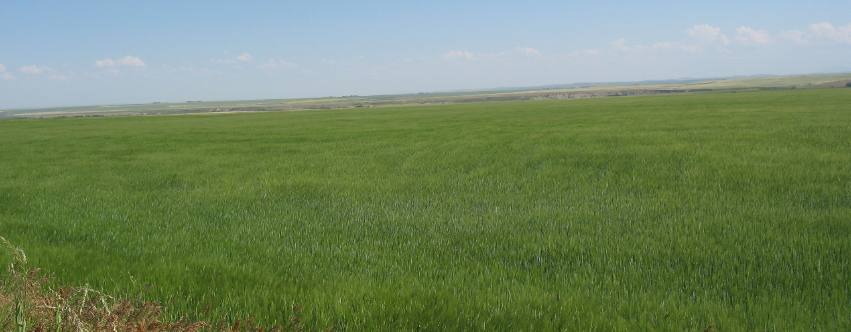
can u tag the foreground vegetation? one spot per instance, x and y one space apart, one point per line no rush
679 212
29 303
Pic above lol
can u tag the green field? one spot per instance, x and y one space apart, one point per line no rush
638 213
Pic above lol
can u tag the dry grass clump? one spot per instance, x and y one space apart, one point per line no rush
29 303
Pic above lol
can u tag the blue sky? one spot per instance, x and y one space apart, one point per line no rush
55 53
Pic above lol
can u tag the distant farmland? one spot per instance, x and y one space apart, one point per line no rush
729 210
552 92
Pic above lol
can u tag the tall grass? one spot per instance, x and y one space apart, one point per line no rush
646 213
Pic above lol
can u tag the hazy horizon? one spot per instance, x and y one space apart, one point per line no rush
401 93
55 54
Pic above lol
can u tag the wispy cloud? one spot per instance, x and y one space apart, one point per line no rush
126 61
584 53
621 45
676 46
244 57
459 55
241 58
750 36
826 31
464 55
34 69
58 77
278 64
708 37
5 75
708 34
528 51
794 36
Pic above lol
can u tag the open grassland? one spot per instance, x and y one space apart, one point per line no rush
643 213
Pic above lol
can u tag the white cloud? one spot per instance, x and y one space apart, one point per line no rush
244 57
459 55
826 31
708 33
127 61
748 35
274 64
34 70
2 68
528 51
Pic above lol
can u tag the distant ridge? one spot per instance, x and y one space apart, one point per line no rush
552 91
